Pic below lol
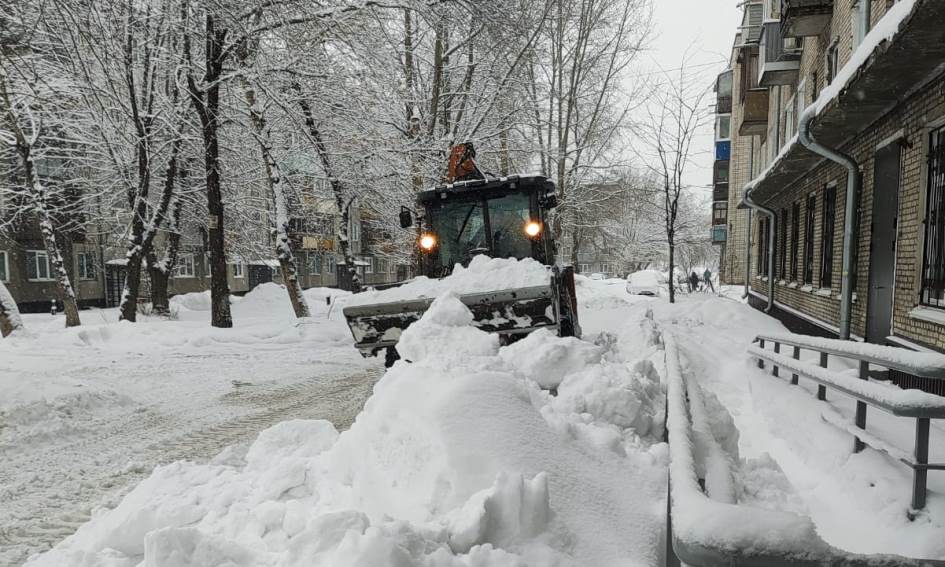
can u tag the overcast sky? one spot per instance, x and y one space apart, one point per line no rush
709 27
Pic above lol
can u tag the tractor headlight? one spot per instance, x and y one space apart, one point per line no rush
533 228
427 241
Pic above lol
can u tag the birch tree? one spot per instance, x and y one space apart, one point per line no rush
23 129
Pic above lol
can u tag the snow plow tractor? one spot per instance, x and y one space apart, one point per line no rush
499 218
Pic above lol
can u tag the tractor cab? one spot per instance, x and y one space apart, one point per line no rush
502 218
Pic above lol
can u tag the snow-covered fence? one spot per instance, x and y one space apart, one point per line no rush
921 406
704 531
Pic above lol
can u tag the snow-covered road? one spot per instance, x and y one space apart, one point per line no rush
88 413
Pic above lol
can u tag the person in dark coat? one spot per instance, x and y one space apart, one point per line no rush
694 281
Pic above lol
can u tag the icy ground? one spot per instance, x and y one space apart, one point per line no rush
463 457
87 413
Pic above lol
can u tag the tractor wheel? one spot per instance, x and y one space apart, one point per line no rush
390 356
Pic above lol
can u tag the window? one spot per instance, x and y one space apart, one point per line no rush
826 237
933 262
832 62
863 22
795 237
85 264
185 266
763 234
391 267
719 213
606 268
814 86
314 263
37 265
723 127
809 239
4 266
782 250
329 265
369 264
355 231
801 103
237 270
584 268
790 118
381 266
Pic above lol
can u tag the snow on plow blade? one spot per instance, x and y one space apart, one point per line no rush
509 312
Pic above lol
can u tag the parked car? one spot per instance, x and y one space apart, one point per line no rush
645 282
598 276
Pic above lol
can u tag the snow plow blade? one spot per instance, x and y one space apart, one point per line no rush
508 312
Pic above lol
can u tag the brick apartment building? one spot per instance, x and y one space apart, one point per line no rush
871 77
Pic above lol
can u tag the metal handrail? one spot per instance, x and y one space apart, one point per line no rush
933 365
921 364
715 551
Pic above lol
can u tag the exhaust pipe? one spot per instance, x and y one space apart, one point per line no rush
853 184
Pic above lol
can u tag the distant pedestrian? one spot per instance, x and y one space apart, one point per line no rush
693 282
707 278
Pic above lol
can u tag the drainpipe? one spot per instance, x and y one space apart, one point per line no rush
746 198
748 258
853 183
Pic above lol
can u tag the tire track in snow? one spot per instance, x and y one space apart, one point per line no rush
52 503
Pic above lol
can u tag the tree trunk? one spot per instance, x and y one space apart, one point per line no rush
10 321
280 225
672 271
207 103
338 189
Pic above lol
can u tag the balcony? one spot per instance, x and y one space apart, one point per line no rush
755 114
723 150
720 192
719 234
780 58
723 93
802 18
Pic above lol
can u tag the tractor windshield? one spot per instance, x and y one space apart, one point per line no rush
461 229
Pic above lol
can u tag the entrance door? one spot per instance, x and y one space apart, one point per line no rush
259 275
882 266
114 284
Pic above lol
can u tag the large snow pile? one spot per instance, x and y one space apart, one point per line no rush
459 458
483 274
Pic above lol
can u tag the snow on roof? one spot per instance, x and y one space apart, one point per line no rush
884 30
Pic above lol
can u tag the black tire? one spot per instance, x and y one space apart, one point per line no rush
390 356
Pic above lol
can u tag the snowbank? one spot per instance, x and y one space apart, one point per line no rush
483 274
459 458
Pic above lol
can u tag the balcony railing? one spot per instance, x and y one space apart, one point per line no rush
801 18
755 113
720 192
780 58
718 234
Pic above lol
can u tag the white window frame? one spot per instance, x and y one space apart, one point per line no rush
314 264
718 127
34 255
238 272
183 261
5 264
583 268
369 268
